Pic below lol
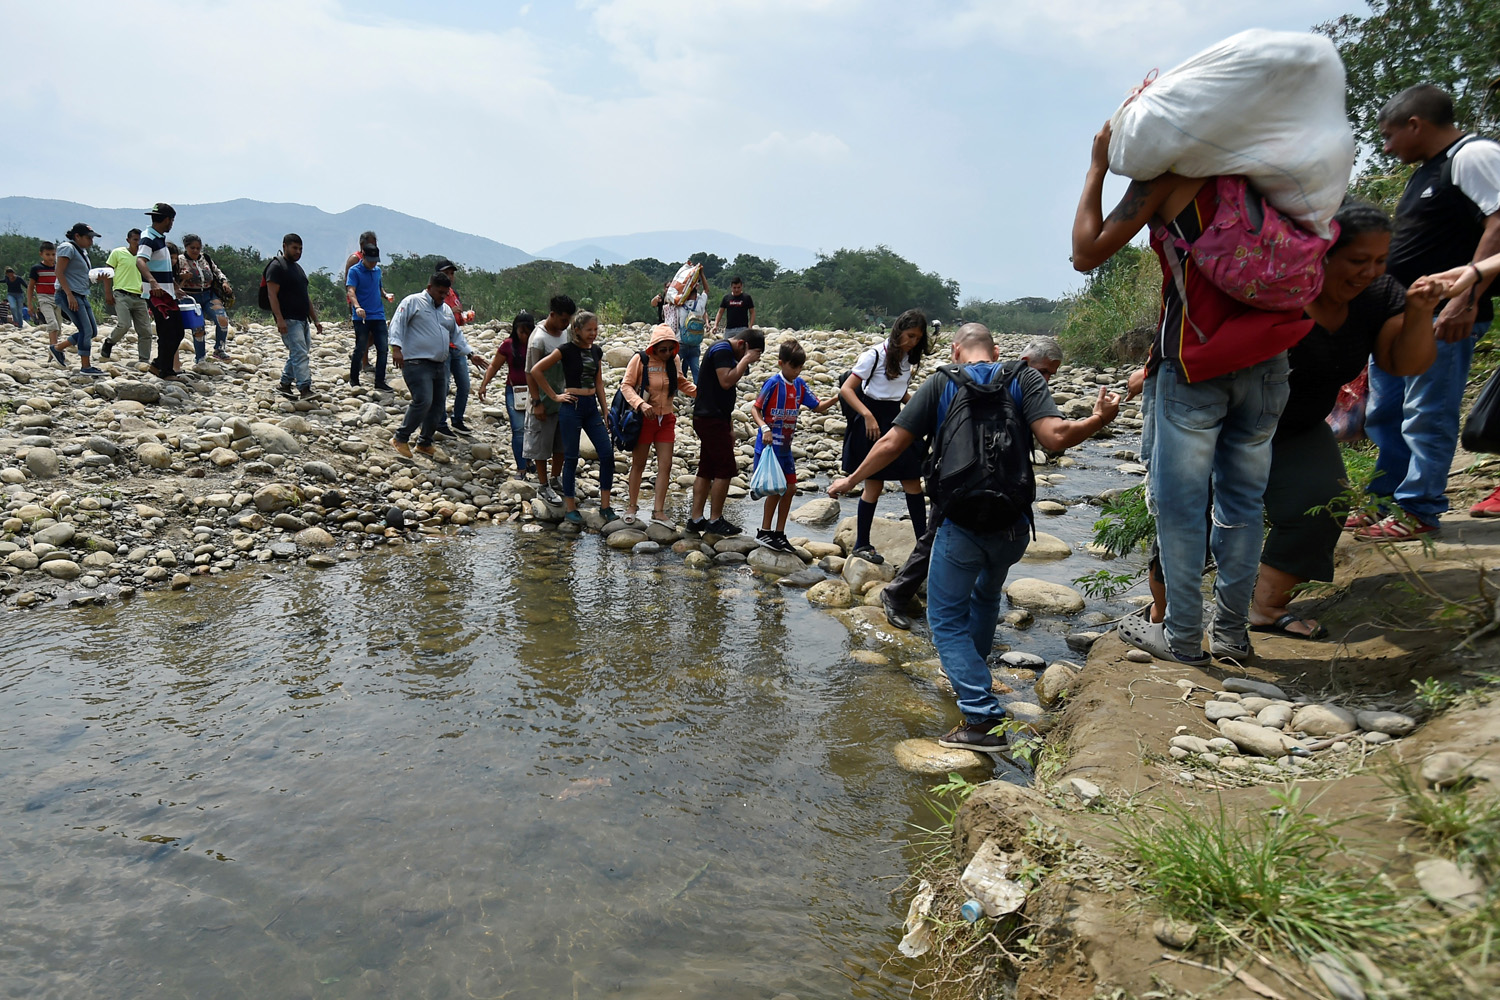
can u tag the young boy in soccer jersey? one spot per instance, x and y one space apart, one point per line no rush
775 409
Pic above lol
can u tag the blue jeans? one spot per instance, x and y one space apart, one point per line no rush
17 308
583 417
1414 420
964 589
82 317
216 313
298 341
517 430
689 355
427 381
1211 440
366 331
458 364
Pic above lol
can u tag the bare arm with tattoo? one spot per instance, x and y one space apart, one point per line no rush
1097 238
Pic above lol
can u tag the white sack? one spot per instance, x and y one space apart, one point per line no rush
1265 104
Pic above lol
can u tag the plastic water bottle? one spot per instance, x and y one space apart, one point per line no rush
972 910
988 885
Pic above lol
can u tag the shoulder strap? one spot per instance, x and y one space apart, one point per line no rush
645 359
1174 264
957 379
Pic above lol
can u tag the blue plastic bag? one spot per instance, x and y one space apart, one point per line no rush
767 480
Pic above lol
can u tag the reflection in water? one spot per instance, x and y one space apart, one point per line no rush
508 765
521 765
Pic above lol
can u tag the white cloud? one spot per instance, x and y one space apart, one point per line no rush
955 131
813 145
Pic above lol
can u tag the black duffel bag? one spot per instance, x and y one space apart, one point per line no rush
1482 428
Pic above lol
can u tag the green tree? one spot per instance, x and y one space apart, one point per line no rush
654 269
881 283
758 272
713 264
1452 43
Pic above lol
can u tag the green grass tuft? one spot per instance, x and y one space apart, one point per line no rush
1281 878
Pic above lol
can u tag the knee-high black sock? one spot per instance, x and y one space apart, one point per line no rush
916 506
864 517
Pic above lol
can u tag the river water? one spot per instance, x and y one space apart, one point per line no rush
483 766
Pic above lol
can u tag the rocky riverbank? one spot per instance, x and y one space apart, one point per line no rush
125 482
1385 738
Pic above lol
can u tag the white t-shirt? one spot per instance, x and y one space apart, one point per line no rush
1476 171
870 367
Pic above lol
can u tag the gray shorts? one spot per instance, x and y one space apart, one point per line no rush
543 436
49 313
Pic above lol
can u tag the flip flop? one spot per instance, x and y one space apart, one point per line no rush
1279 627
1142 633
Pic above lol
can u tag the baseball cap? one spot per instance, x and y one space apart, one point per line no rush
370 250
162 208
446 265
82 229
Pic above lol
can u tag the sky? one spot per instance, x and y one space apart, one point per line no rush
956 132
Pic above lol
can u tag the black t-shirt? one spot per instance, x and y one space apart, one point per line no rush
1323 361
713 399
15 285
737 311
291 292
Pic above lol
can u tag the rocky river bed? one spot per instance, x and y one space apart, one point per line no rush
115 484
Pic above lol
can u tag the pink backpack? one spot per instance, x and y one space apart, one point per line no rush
1256 255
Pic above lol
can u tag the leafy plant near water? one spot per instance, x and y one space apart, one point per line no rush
944 800
1279 878
1103 583
1126 524
1435 695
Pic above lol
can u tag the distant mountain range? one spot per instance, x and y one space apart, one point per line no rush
329 238
671 246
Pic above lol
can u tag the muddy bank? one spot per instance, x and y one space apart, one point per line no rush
1136 737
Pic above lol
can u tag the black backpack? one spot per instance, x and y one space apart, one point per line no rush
624 422
979 473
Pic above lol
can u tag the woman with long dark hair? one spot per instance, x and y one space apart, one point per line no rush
873 394
512 352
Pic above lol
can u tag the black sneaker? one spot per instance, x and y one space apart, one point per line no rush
461 428
59 357
974 736
383 387
308 392
781 543
285 388
699 525
868 554
766 537
107 349
894 613
719 526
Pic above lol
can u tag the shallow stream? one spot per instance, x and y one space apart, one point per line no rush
497 765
